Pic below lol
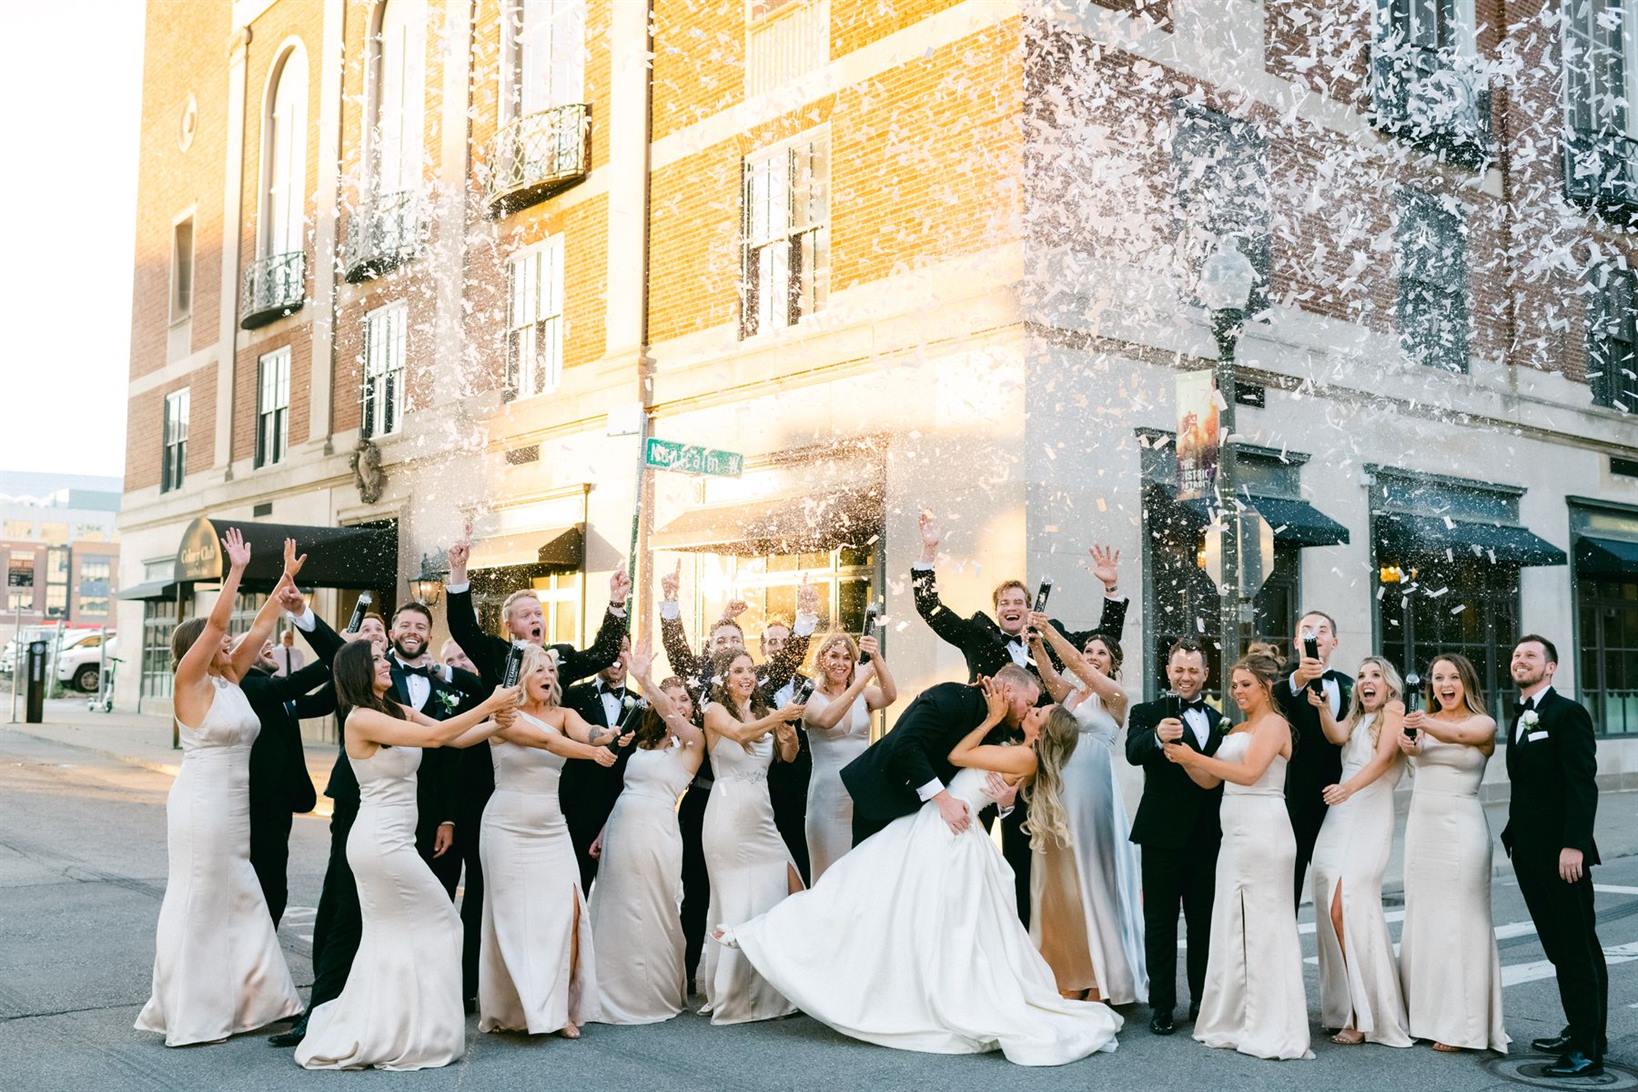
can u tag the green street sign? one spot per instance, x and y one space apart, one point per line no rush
670 455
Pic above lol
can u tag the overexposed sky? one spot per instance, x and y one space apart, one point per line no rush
70 108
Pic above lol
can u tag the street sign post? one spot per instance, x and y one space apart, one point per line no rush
1256 541
686 459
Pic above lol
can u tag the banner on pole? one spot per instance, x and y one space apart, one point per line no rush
1197 429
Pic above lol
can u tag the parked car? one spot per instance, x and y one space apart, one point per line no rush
18 645
80 659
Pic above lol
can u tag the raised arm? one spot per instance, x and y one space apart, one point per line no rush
784 663
826 717
641 664
487 652
673 638
1385 755
949 625
605 649
1057 687
249 647
886 691
1114 698
1335 731
972 751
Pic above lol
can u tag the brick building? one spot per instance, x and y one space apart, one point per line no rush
60 543
923 253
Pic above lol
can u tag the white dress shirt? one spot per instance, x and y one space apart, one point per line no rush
1535 701
1333 693
1198 723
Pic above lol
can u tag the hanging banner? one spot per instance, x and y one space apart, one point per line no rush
1196 434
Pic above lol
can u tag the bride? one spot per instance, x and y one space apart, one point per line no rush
912 940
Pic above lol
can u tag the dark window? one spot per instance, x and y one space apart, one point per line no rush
182 270
272 407
158 620
1612 365
174 455
785 234
1433 310
1608 675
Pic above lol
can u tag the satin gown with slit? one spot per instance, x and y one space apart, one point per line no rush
218 969
749 868
1448 962
1086 900
533 906
1358 977
913 941
1254 1000
636 903
830 808
401 1007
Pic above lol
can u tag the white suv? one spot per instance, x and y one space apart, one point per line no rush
80 659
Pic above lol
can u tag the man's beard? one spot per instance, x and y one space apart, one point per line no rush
404 653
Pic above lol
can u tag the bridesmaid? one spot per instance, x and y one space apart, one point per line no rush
636 904
401 1007
218 969
1358 975
749 866
536 967
1447 958
1086 901
838 724
1254 1000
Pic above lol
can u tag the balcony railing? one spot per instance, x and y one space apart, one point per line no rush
1601 169
1436 98
274 287
538 154
386 232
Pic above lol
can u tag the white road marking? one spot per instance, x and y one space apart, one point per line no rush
1614 889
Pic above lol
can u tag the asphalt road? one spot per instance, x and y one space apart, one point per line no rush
82 871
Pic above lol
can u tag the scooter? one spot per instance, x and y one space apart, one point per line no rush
103 700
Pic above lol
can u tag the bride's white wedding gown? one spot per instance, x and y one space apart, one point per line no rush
912 941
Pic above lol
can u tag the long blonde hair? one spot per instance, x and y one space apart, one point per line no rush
1356 704
825 646
534 658
1048 822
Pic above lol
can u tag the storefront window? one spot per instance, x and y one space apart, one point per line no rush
1467 606
768 583
1608 612
158 620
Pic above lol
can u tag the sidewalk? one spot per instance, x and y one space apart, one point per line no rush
144 740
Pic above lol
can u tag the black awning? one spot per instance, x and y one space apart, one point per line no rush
790 524
1295 521
152 589
337 557
510 562
1606 556
1507 543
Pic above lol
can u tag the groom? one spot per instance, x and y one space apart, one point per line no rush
1553 767
911 764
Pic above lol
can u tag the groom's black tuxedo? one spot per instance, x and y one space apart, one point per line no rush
883 781
1553 767
1177 826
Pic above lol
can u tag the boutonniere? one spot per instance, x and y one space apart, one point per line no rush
629 702
1529 718
447 699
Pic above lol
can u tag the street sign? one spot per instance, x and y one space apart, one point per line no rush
670 455
1256 540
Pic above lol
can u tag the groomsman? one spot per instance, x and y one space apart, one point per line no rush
586 790
1553 766
1177 826
422 684
1316 762
989 644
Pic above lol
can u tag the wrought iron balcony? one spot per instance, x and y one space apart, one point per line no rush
538 154
386 232
1432 97
1601 169
274 288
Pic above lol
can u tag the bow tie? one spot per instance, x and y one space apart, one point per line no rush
615 692
1016 639
1195 706
421 671
1519 707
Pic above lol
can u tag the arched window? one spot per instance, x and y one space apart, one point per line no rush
397 66
284 156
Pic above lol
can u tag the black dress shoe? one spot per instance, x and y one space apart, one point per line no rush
288 1039
1161 1023
1575 1064
471 1005
1554 1044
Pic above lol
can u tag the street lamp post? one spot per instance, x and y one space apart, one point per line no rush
1225 288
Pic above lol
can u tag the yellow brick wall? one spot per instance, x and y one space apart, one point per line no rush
699 60
857 23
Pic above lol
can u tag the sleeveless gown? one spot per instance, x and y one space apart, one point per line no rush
218 969
532 898
1447 957
912 941
401 1007
1359 988
1086 899
830 808
1254 1000
637 900
747 862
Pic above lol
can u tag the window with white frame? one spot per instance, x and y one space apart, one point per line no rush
396 64
182 269
383 389
1612 338
1599 81
545 49
785 259
534 327
284 157
174 442
272 406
